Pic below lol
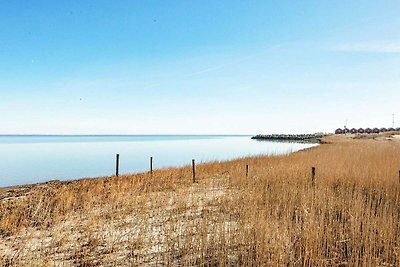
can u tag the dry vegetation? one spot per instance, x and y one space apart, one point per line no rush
274 217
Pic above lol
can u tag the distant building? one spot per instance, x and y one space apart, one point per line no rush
338 131
366 130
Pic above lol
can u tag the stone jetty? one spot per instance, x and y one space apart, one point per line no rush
300 138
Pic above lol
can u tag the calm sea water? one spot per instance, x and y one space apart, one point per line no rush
31 159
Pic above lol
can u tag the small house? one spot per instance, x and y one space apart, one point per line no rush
338 131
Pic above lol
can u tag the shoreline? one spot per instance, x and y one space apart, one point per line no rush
61 179
22 189
318 139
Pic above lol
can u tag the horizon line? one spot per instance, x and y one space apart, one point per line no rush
119 134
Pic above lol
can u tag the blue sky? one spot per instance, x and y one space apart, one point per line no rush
197 67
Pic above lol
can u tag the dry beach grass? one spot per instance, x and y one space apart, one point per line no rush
274 217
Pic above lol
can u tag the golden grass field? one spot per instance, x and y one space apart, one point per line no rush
274 217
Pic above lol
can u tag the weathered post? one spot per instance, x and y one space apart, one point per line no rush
194 170
313 176
151 165
117 165
247 170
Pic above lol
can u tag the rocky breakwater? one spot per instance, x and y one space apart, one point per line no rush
298 138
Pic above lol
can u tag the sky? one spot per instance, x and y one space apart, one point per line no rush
198 67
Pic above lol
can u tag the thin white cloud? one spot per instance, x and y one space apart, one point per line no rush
234 62
211 69
372 47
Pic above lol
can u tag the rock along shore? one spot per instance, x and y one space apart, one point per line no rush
300 138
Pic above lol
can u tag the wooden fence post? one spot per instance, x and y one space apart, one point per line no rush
151 165
247 170
117 165
194 170
313 176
